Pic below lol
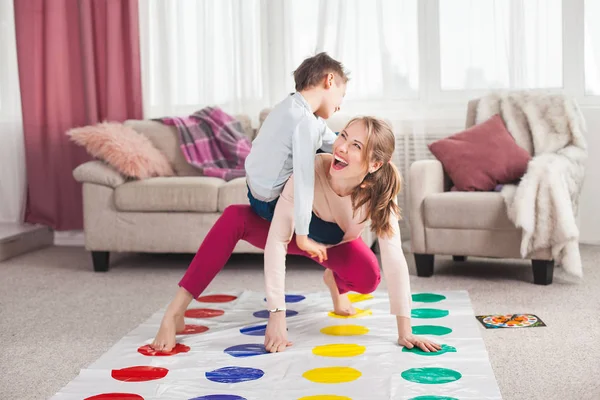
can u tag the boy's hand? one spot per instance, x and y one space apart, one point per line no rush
276 333
316 250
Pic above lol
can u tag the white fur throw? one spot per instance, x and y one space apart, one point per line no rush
545 202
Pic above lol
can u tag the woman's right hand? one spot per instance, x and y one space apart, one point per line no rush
276 335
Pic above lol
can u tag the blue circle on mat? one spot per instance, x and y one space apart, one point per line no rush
219 397
234 374
265 313
246 350
292 298
257 330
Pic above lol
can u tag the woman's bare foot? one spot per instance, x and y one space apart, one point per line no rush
173 322
170 326
179 323
341 303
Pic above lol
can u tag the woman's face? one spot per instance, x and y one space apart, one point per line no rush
349 152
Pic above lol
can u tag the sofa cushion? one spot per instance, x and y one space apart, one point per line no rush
466 210
482 157
187 194
165 139
128 151
233 192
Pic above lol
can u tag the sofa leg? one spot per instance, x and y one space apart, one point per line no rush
459 258
100 260
543 271
424 263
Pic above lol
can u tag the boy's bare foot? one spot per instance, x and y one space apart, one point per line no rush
341 303
165 338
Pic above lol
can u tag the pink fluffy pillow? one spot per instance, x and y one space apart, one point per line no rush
129 152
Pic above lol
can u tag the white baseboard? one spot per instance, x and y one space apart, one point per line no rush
69 238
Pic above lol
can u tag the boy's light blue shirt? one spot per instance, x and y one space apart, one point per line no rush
287 142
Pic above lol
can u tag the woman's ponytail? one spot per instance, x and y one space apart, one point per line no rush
379 190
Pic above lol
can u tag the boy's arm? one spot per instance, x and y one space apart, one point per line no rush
329 137
303 152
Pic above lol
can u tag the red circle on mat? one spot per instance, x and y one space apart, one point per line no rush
116 396
193 329
203 313
149 351
139 374
216 298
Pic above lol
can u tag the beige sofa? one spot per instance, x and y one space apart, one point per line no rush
159 215
463 223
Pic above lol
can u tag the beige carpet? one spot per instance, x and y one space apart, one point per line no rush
57 316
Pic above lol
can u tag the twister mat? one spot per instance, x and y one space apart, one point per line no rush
221 354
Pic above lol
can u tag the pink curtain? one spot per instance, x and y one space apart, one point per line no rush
79 64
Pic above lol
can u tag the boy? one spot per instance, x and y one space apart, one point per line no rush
288 140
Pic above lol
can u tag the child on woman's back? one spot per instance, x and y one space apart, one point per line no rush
288 140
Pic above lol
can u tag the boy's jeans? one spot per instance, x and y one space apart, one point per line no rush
320 231
264 209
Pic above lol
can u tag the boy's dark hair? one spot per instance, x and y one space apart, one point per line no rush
313 69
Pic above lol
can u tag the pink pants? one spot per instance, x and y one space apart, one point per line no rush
354 265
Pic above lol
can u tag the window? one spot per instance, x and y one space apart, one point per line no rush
592 47
188 41
500 44
412 52
10 100
376 40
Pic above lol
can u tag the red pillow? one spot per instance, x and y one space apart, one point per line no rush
481 157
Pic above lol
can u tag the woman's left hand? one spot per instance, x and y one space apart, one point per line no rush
410 341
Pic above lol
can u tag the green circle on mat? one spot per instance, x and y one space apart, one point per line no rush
416 350
431 376
433 398
428 313
428 297
431 330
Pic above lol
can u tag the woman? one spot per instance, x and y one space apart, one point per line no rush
355 184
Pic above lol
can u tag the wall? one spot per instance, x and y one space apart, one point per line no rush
589 215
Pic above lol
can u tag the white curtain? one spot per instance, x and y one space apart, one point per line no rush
500 44
240 54
376 40
197 53
12 149
592 47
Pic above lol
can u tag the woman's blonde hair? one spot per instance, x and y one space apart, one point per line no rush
378 190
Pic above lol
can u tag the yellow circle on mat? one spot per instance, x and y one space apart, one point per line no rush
332 375
325 397
359 313
339 350
345 330
356 297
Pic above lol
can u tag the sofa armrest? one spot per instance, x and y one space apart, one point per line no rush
99 173
425 177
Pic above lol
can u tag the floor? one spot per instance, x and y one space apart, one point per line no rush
58 316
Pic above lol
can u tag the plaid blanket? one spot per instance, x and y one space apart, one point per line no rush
212 141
